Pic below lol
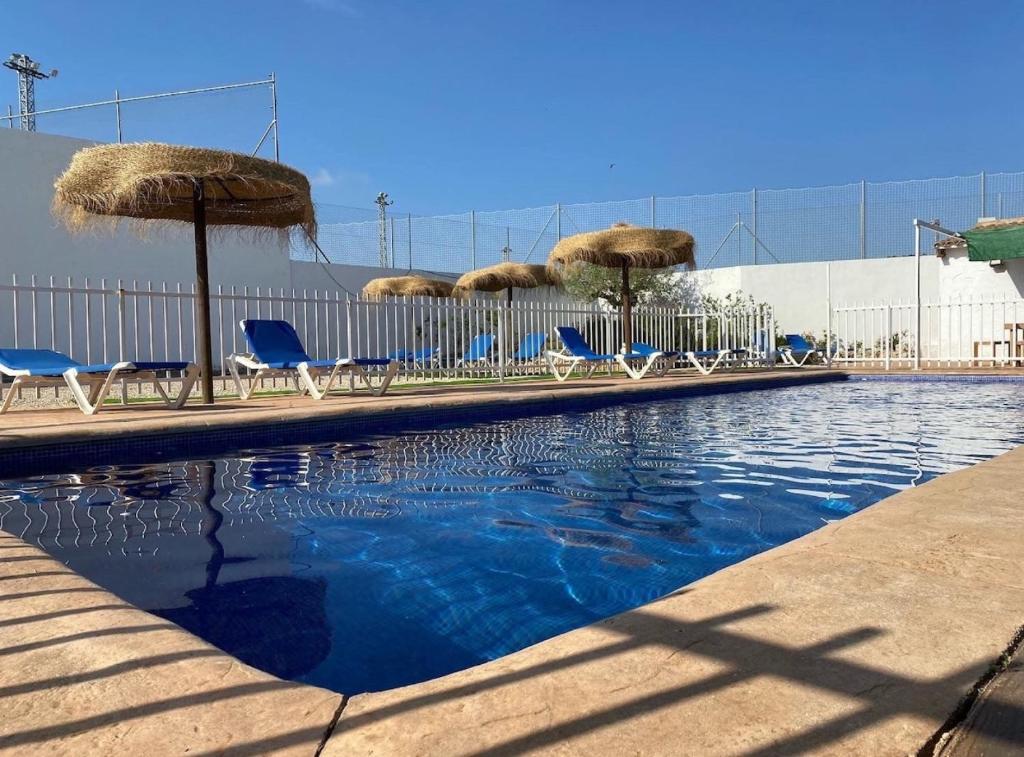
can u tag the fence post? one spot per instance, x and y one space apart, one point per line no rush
984 198
348 325
392 241
828 315
863 218
558 220
888 335
917 297
410 240
654 224
121 336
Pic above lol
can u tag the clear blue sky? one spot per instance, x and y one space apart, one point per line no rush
457 105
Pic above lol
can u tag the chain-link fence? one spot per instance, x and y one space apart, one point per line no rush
843 222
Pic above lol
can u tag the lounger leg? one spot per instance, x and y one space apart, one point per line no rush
243 393
385 382
632 372
11 393
309 384
90 404
188 380
553 367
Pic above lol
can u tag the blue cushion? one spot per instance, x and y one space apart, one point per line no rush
372 361
38 362
646 350
479 348
275 343
577 345
531 346
799 344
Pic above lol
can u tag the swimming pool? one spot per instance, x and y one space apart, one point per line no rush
378 561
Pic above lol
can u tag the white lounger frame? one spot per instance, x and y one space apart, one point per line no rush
706 370
789 360
90 390
569 363
305 376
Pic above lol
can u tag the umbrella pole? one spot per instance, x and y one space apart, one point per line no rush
203 342
627 311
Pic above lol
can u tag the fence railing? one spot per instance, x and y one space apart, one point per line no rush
953 334
118 320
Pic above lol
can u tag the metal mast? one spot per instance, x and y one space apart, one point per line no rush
28 71
506 251
382 203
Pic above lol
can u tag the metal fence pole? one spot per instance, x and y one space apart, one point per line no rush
117 113
984 198
753 221
392 241
410 240
558 216
121 337
472 237
273 111
654 223
863 219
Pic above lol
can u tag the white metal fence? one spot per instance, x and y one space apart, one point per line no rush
106 321
953 334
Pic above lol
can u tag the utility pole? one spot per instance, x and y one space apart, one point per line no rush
28 71
382 203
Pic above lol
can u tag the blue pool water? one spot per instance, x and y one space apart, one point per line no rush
380 561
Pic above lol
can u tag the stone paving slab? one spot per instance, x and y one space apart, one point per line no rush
83 673
860 638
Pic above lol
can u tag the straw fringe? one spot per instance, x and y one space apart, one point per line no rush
408 286
154 182
502 276
635 246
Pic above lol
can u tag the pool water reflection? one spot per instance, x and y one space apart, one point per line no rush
381 561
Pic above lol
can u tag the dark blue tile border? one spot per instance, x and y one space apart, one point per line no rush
956 378
208 442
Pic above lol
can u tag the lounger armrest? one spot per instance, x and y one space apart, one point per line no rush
246 360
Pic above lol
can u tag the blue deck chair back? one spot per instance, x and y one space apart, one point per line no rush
480 347
275 343
639 348
39 362
574 342
531 346
799 344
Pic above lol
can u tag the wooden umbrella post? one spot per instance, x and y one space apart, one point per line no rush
204 343
627 311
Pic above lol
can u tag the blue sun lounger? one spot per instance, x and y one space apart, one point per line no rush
530 348
89 384
797 351
578 353
276 350
479 351
416 358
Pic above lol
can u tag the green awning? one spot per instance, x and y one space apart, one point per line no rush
995 244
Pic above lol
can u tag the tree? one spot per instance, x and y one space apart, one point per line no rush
665 286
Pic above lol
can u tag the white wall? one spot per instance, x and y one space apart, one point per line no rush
33 242
797 291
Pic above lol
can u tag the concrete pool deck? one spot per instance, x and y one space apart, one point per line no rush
860 638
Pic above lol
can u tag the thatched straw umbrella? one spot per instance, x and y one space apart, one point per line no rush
408 286
509 276
624 246
169 183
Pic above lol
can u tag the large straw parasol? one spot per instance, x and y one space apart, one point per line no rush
171 183
509 276
408 286
625 246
